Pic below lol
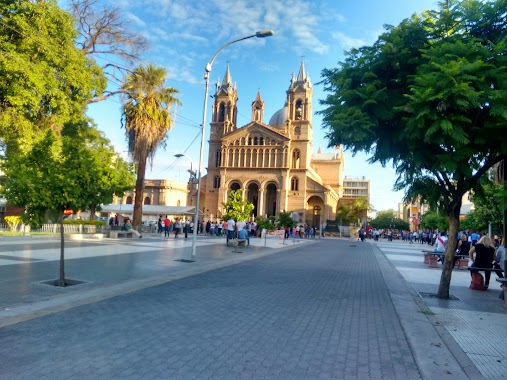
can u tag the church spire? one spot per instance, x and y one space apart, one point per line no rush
227 82
302 79
302 72
258 108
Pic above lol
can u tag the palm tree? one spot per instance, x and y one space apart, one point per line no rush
147 119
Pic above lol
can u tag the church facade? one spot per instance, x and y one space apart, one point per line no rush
271 163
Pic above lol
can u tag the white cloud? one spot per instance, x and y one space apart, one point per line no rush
130 17
348 42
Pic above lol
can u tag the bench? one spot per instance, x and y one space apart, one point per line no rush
486 269
120 234
238 242
431 259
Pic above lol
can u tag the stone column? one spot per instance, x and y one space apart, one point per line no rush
261 211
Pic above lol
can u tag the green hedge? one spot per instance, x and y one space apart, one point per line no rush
86 222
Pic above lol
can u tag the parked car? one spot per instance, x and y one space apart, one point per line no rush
396 234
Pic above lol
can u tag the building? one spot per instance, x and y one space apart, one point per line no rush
356 188
271 163
160 192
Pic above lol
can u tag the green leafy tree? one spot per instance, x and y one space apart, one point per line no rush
353 212
264 223
236 208
388 220
106 174
489 204
284 219
45 80
428 95
433 220
147 119
45 178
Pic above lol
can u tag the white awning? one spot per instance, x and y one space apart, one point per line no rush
150 209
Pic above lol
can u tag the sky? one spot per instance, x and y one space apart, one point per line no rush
185 34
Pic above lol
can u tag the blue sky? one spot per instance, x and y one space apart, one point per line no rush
185 34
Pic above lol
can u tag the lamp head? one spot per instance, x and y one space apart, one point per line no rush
179 155
264 33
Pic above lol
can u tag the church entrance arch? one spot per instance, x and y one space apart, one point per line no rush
253 197
271 198
234 185
314 208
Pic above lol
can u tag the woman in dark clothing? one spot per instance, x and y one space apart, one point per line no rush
463 247
484 255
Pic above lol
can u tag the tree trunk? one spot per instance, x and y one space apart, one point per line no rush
61 280
92 211
448 265
139 198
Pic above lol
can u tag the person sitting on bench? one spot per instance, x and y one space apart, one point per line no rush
243 234
484 254
128 228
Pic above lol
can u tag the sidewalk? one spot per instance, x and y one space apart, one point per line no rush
475 321
317 309
106 268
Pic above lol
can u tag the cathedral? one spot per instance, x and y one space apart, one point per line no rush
271 163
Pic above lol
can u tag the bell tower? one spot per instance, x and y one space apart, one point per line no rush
299 115
225 112
299 97
258 108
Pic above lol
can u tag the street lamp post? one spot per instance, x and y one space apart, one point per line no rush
207 70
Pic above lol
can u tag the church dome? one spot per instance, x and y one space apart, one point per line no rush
280 117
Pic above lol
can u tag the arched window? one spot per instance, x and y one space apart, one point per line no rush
294 184
218 158
256 141
299 109
296 156
261 141
129 200
147 201
216 182
221 112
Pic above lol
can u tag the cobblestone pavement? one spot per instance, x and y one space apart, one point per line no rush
320 311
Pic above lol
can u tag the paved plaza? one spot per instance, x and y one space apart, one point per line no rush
307 309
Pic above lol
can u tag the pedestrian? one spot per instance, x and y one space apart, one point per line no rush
159 225
186 228
116 221
219 228
231 225
167 226
177 226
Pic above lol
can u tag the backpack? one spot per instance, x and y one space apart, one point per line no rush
477 282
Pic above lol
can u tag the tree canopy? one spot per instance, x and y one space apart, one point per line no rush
236 208
430 96
45 81
387 220
489 205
